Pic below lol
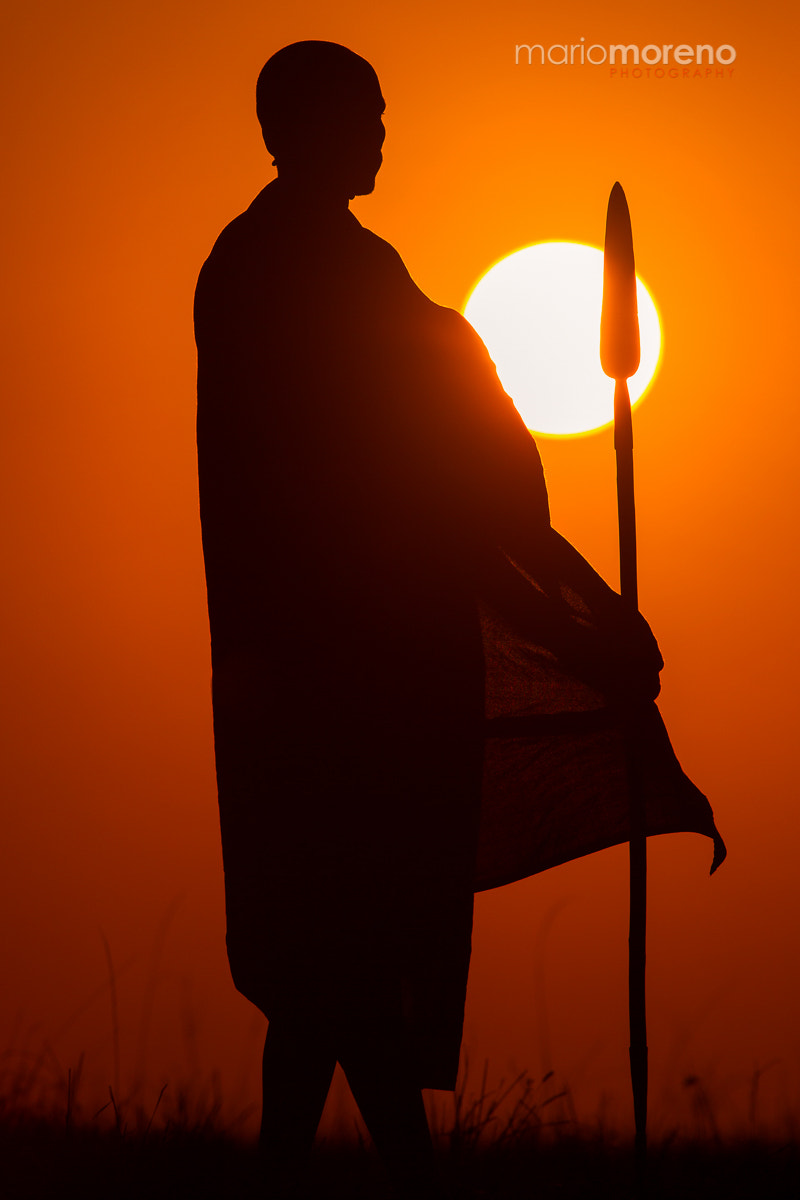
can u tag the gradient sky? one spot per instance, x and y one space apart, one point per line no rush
130 139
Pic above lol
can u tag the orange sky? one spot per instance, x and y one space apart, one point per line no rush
131 140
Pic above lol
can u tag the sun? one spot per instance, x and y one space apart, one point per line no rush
538 311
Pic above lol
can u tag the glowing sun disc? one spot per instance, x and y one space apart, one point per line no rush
538 311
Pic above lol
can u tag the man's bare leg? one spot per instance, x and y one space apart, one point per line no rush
296 1077
297 1073
390 1102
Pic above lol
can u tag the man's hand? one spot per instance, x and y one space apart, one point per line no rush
619 658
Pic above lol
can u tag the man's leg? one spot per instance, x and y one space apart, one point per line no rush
296 1076
390 1101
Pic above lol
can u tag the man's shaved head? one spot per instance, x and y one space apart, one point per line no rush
315 101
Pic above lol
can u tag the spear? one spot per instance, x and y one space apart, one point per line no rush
619 357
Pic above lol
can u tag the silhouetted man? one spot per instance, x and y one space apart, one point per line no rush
363 478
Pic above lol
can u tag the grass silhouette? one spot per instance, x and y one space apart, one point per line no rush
516 1141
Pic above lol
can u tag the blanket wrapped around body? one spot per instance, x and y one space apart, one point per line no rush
419 688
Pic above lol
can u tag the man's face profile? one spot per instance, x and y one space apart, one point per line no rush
361 143
320 108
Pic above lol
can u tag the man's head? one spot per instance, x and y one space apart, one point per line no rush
320 108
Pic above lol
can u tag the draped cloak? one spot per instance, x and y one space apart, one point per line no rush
419 689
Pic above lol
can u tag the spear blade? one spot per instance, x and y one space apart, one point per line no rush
619 321
619 358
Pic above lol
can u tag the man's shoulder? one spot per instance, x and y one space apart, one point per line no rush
267 232
385 256
232 244
269 225
449 320
230 263
378 246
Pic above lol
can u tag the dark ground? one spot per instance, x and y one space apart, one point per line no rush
41 1159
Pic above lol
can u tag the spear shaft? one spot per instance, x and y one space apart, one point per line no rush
637 929
626 506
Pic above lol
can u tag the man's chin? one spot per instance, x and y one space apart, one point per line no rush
363 189
364 185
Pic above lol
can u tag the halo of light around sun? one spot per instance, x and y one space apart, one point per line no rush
538 311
